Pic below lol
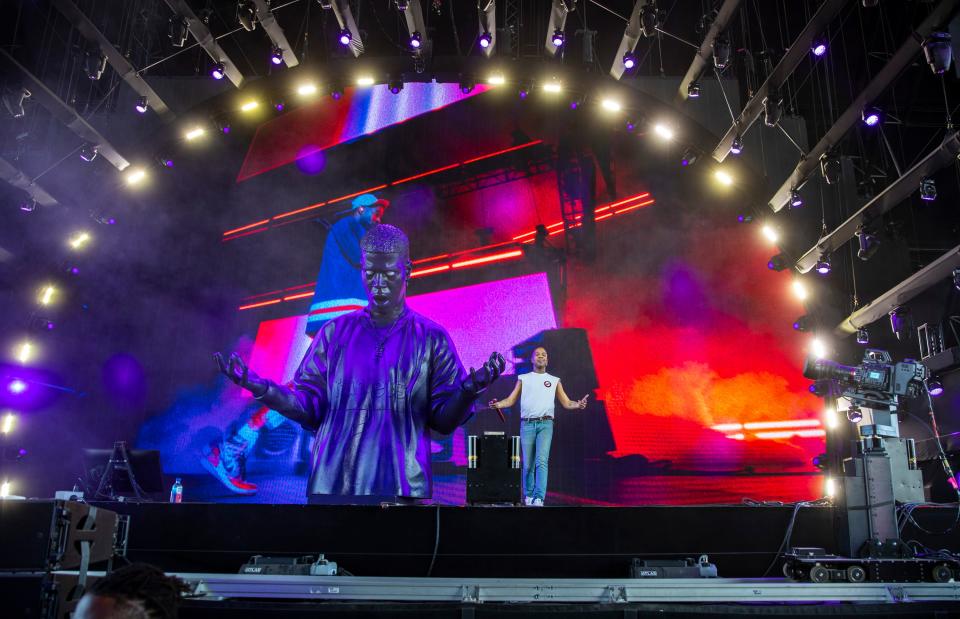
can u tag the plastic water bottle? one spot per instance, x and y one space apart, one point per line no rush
176 492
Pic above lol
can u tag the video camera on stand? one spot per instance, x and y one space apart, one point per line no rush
880 471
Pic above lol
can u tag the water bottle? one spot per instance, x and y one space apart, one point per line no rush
176 492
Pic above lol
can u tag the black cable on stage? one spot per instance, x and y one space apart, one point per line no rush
789 533
436 543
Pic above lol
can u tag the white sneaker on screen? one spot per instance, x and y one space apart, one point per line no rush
528 500
537 503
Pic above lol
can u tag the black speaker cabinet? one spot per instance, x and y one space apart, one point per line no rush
493 469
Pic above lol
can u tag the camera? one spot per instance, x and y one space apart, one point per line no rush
877 380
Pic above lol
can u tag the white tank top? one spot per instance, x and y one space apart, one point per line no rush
538 394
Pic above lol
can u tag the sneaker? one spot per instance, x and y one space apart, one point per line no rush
537 503
528 500
213 460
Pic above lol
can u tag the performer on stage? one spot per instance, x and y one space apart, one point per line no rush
373 384
339 291
538 392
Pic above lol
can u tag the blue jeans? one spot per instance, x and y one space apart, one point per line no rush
535 439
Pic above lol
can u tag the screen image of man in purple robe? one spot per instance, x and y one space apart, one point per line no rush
373 385
339 290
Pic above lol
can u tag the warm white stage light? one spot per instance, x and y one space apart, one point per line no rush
663 131
818 348
723 178
305 90
7 425
496 79
5 489
770 233
46 296
194 133
135 176
611 105
249 106
79 240
24 352
829 487
365 80
552 87
799 290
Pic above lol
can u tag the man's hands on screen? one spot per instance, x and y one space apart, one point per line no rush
478 380
582 402
237 371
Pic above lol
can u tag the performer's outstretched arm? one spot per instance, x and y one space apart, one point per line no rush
452 394
567 402
509 401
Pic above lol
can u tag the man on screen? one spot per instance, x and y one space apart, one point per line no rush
538 392
372 385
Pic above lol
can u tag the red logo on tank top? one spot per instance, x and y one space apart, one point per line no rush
546 384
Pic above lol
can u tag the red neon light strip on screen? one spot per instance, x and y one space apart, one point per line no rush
302 295
261 304
384 186
416 273
494 258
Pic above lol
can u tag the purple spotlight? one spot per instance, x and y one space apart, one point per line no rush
485 40
415 40
935 388
871 116
345 37
16 386
218 71
819 48
49 325
276 57
74 270
21 452
823 266
279 106
629 61
557 38
523 93
631 125
871 120
142 105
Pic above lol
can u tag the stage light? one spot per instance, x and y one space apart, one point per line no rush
956 279
770 233
16 386
467 85
47 294
799 290
135 176
863 336
486 39
345 37
795 200
829 487
928 190
830 418
142 105
395 85
935 387
28 204
276 56
24 352
939 51
496 79
222 124
279 105
663 131
307 89
777 263
693 90
802 324
871 116
247 15
415 40
631 125
689 158
164 161
772 109
79 240
402 5
745 218
648 20
869 243
365 80
194 133
336 92
901 321
736 147
830 168
218 71
723 178
177 31
88 152
818 348
823 266
629 60
552 86
854 414
611 105
7 426
721 52
249 106
819 46
5 489
94 64
558 38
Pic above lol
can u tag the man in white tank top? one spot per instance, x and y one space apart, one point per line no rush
538 392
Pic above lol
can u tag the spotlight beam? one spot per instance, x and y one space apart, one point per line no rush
59 109
17 178
116 59
559 9
798 51
704 57
903 58
206 40
487 10
275 32
628 43
894 194
932 274
341 10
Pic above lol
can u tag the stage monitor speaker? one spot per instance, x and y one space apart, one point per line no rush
493 469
